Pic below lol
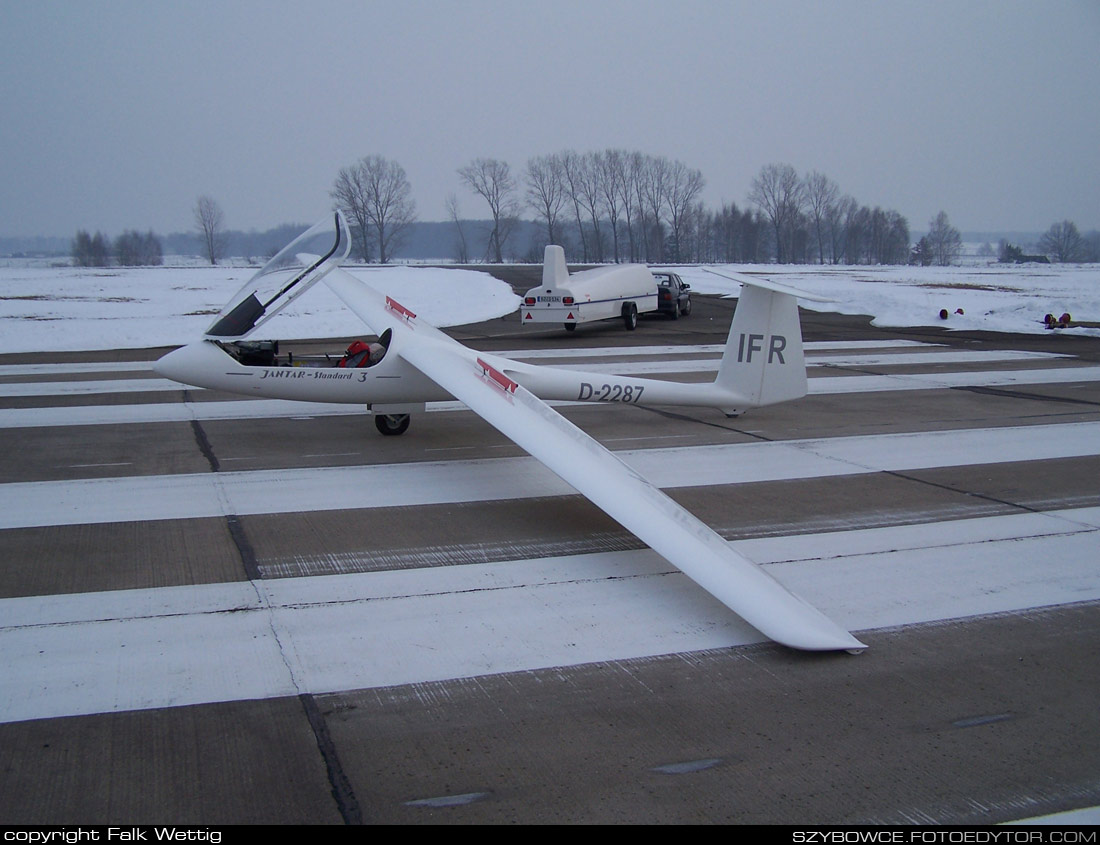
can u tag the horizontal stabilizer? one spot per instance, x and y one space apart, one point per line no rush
768 284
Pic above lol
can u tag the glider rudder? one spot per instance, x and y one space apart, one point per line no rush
763 361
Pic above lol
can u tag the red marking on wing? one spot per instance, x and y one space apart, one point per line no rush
394 305
497 376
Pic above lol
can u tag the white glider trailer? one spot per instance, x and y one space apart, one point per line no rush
607 293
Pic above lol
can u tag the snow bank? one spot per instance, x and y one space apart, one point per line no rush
70 308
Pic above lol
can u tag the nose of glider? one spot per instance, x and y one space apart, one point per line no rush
184 365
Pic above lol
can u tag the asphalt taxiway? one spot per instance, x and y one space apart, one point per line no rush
216 610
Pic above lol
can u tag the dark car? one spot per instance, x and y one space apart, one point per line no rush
673 295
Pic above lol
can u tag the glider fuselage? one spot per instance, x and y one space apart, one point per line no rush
393 380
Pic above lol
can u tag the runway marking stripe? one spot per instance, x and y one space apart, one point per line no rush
102 652
72 367
71 415
899 359
707 348
144 498
161 385
79 388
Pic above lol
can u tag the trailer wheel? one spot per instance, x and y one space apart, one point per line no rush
630 316
570 327
391 424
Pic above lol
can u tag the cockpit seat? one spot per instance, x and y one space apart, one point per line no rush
361 354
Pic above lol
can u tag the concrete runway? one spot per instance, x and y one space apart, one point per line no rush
216 610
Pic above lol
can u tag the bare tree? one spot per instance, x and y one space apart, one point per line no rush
857 234
612 166
698 235
350 195
897 239
888 238
376 195
838 218
82 249
492 180
546 193
821 198
462 249
777 192
653 188
210 223
572 174
391 209
1062 242
682 186
629 194
91 251
944 240
591 197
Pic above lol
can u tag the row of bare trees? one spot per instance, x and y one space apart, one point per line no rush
603 206
130 249
812 222
616 205
853 234
620 205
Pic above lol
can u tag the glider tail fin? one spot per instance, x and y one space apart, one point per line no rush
763 362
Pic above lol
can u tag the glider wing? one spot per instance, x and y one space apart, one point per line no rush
607 481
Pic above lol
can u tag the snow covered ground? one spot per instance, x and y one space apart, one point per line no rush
1002 298
69 308
73 308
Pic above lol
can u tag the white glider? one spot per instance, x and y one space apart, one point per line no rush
414 363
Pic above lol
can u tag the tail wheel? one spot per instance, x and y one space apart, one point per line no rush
391 424
630 316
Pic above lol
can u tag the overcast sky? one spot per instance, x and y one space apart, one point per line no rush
117 115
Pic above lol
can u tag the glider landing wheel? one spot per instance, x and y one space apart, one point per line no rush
630 316
391 424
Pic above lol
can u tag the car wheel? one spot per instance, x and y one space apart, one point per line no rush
675 312
391 424
687 308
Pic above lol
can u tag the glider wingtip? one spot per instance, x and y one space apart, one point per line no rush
836 639
850 645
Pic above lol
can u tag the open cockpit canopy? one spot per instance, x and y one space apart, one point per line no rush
297 267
